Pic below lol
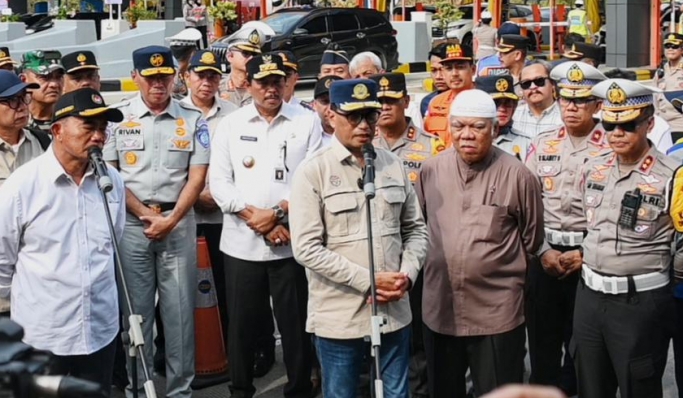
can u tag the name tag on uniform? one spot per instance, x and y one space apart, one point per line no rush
280 175
130 139
248 138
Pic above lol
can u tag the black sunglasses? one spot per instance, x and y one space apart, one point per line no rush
671 46
538 82
630 127
371 116
578 102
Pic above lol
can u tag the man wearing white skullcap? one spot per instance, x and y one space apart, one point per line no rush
473 302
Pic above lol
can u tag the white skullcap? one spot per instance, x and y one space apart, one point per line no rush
473 103
486 15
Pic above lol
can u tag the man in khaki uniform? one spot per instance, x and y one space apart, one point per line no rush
329 238
556 157
244 44
396 133
624 306
671 80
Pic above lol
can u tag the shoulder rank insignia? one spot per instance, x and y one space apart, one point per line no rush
411 134
647 164
597 136
562 133
306 105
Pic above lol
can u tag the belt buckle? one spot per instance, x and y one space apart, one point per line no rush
610 285
155 208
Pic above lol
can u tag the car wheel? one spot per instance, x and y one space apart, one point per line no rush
467 40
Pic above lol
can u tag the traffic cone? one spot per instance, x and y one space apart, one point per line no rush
211 364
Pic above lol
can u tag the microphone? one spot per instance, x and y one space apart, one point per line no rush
369 156
103 180
66 386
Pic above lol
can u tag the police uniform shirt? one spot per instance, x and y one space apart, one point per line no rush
13 156
553 158
413 147
253 164
513 142
154 153
615 250
219 110
237 95
672 81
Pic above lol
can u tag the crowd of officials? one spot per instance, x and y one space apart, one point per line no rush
519 199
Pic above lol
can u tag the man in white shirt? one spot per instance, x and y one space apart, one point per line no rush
540 113
251 171
56 252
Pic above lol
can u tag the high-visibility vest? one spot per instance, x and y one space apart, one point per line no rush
578 22
437 121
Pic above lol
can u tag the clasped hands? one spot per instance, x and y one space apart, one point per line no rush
264 222
391 286
560 264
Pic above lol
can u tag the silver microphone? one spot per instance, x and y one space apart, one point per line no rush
100 168
369 156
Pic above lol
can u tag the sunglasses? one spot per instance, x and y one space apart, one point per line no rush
15 102
370 116
630 127
538 82
671 46
578 102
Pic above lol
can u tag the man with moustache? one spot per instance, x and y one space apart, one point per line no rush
81 71
329 235
43 68
624 306
473 302
321 105
162 151
458 69
56 252
244 44
555 158
251 172
540 112
500 88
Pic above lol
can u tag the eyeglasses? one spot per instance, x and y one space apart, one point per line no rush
630 127
538 82
15 102
671 46
370 116
577 102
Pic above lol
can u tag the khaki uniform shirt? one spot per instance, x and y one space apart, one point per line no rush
154 153
413 147
482 220
672 81
220 109
29 148
557 163
513 142
327 213
612 249
236 95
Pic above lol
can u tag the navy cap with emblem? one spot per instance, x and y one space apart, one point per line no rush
674 38
391 85
322 86
153 60
353 95
509 43
497 86
579 51
265 65
11 84
334 55
79 60
288 60
203 60
85 103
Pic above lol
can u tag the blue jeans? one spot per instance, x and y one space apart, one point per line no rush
341 362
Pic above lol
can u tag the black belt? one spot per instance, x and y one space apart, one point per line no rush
160 207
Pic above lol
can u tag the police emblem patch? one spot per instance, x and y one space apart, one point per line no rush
203 135
156 60
360 92
502 85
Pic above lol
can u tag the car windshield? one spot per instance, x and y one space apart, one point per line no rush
281 22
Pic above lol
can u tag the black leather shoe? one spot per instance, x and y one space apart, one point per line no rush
263 363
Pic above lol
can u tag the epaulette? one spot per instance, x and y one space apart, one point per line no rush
306 105
121 104
189 107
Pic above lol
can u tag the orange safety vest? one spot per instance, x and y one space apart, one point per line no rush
437 121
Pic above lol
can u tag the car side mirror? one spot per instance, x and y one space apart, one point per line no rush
300 32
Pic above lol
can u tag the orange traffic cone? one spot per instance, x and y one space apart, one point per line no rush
211 364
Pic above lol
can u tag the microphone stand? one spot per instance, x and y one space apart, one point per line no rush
376 321
132 330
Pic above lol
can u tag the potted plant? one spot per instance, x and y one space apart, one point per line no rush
67 9
137 12
446 12
10 18
222 12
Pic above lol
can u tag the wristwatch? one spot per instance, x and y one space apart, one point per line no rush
279 212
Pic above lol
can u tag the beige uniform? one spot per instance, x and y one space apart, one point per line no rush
228 92
513 142
612 249
414 147
672 81
557 163
29 148
327 213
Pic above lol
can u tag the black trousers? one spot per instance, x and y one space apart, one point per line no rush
212 234
247 283
678 345
549 321
417 370
493 361
96 367
621 341
202 30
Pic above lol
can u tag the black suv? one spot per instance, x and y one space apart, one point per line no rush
307 31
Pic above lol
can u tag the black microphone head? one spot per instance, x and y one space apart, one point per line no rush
369 149
94 150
